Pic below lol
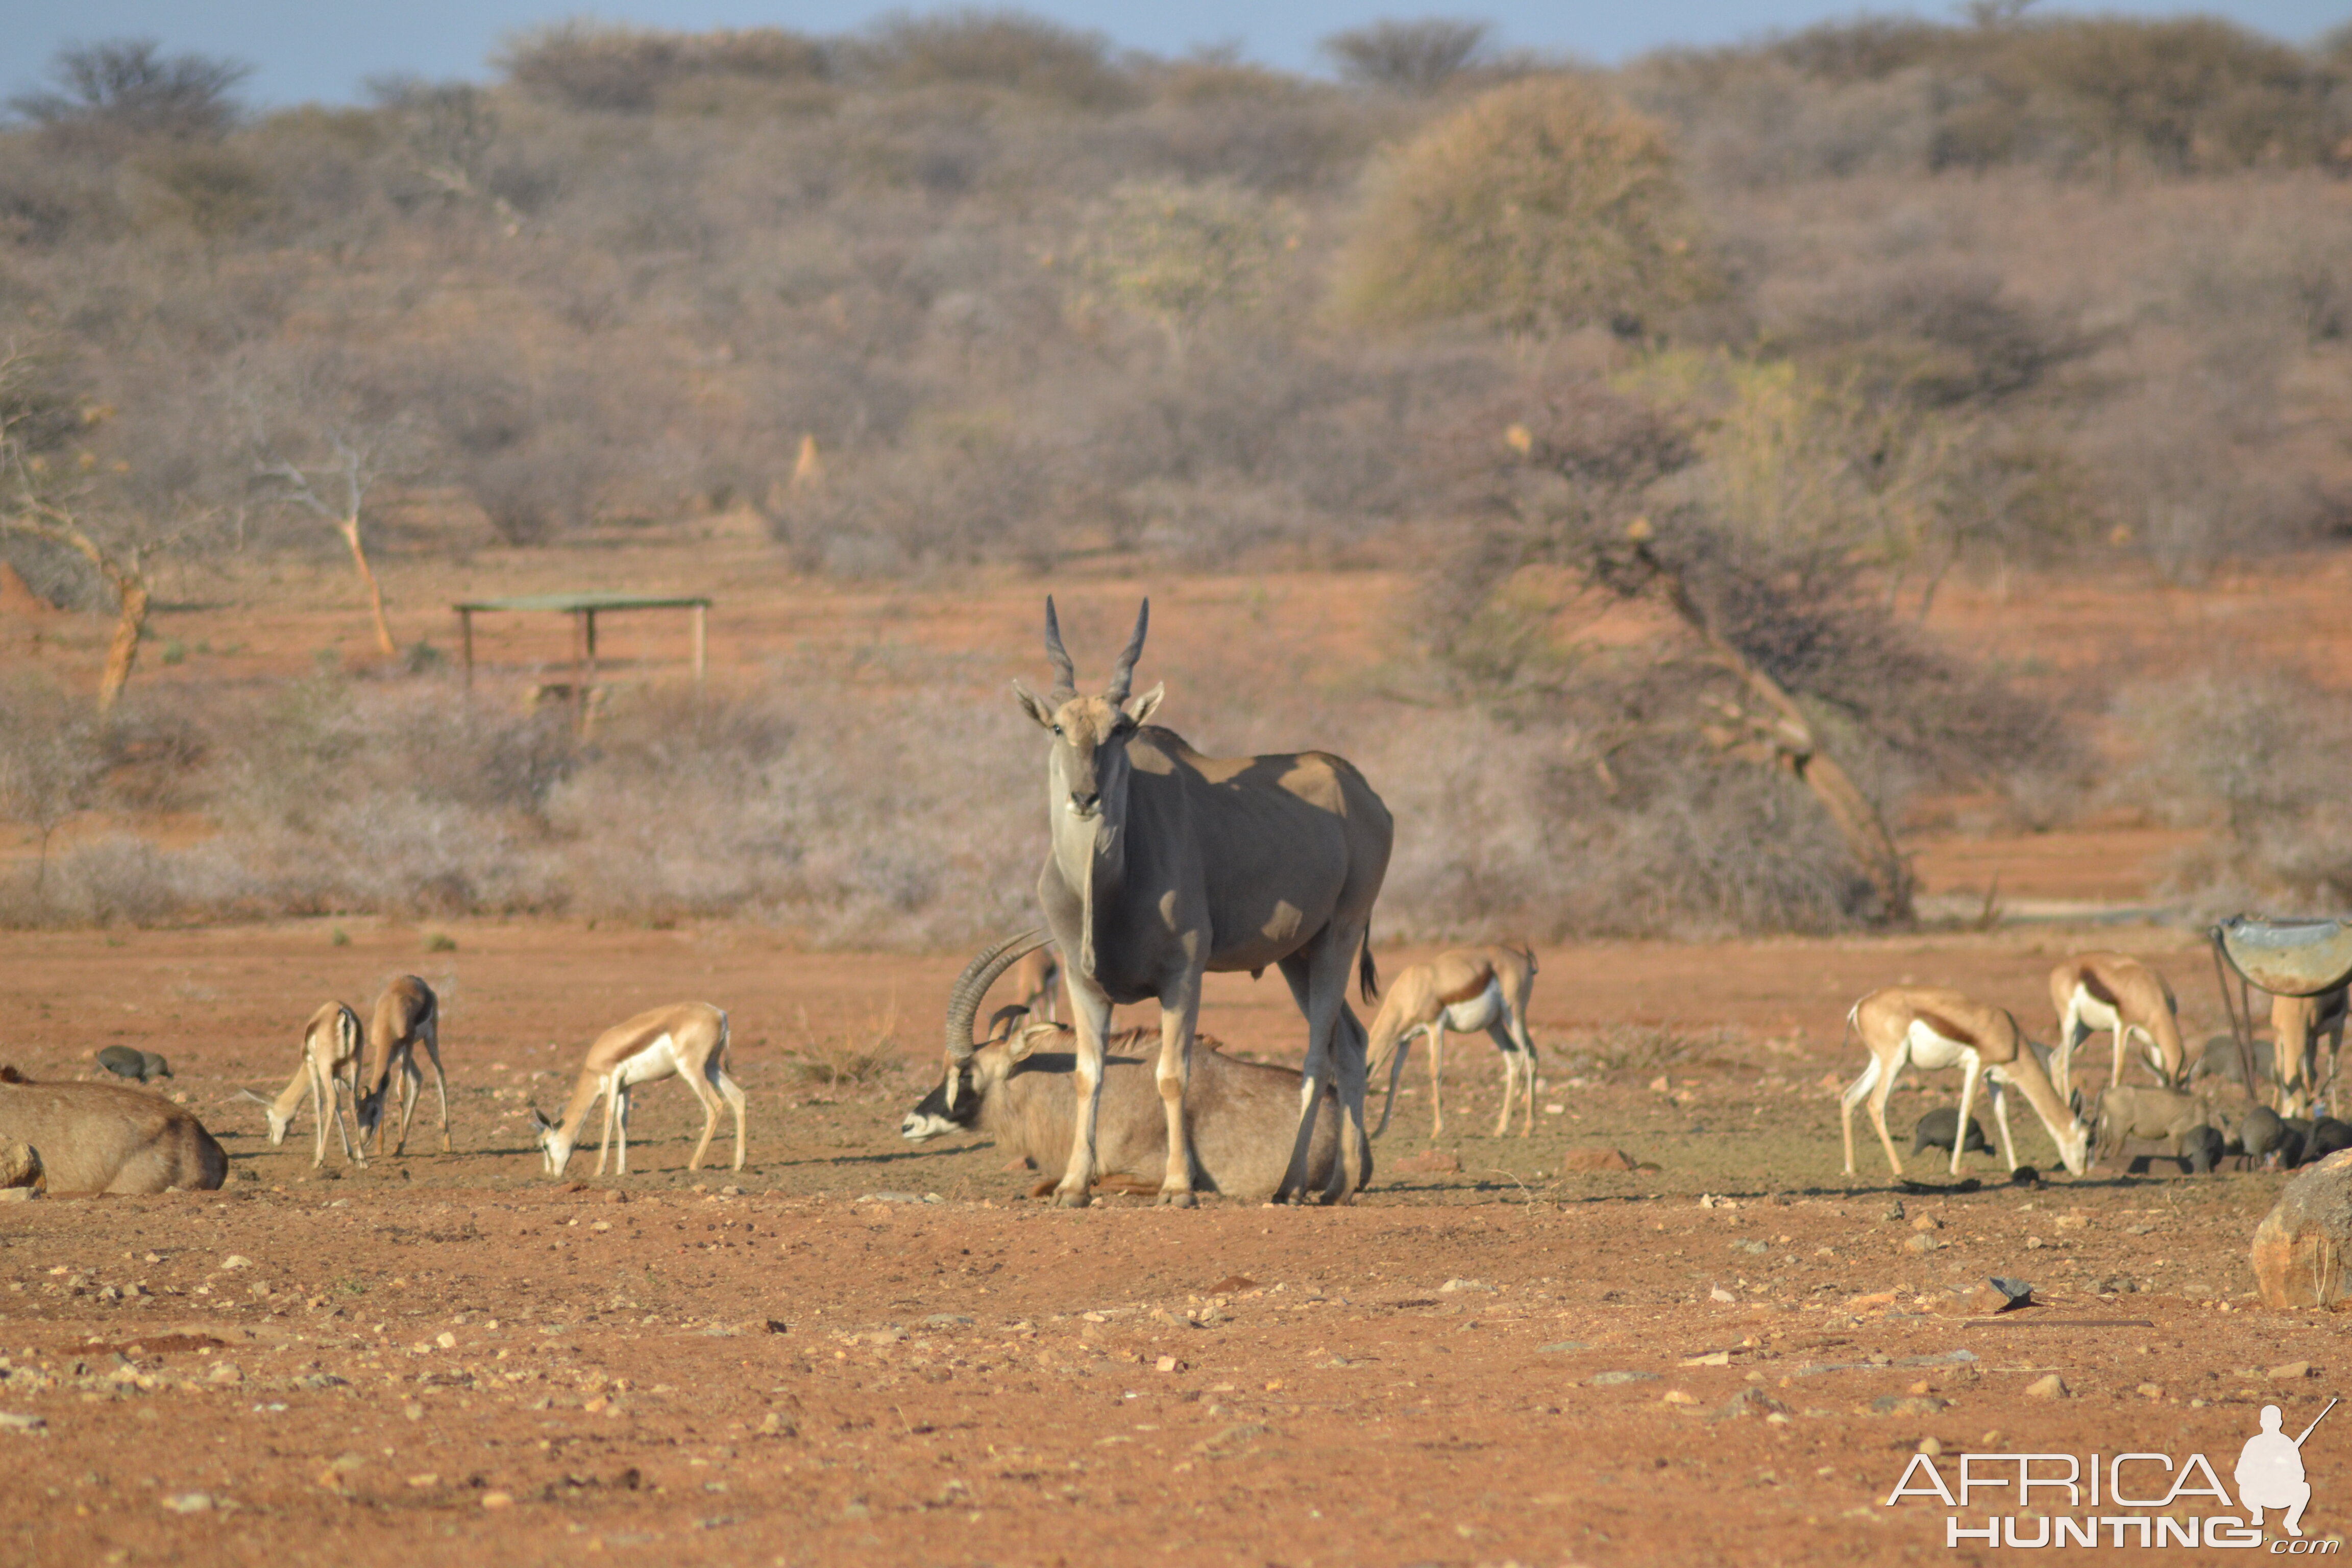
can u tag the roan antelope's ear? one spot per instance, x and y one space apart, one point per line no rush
1027 1038
1038 706
1139 709
539 1121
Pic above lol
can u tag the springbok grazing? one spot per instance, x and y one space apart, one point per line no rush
330 1070
2296 1024
406 1015
2095 991
1034 980
688 1041
1466 989
1932 1028
109 1138
1019 1088
1165 864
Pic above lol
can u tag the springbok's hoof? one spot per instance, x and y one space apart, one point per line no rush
1183 1200
1073 1197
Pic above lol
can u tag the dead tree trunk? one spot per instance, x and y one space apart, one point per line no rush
125 578
1794 744
349 527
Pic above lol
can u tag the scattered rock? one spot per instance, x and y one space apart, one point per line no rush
1603 1159
497 1499
2287 1371
226 1372
1169 1364
889 1197
20 1167
189 1503
1616 1379
1926 1222
1932 1449
778 1326
1983 1298
236 1261
11 1422
446 1341
1233 1436
1712 1358
1722 1295
1922 1241
1232 1284
1750 1402
1455 1286
1908 1405
616 1195
935 1320
2299 1249
774 1426
1559 1346
2050 1387
1430 1162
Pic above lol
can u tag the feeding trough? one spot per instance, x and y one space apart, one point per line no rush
2303 957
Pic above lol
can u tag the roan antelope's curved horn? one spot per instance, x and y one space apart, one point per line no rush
1065 674
963 1001
1122 674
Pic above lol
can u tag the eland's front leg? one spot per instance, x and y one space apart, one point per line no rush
1090 1015
1179 1007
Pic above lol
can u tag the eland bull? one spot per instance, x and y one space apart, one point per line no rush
1166 864
1019 1088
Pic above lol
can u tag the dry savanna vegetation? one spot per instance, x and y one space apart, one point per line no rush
1648 424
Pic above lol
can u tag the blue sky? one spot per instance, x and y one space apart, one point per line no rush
323 50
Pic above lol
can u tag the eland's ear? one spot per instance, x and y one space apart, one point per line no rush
1139 709
1036 706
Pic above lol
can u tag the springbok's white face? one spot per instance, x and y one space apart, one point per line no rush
554 1148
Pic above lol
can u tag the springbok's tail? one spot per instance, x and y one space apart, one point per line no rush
1368 973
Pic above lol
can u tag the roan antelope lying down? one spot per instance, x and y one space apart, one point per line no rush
1020 1090
1933 1029
105 1138
688 1041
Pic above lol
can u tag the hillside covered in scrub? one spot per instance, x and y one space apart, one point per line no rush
1675 394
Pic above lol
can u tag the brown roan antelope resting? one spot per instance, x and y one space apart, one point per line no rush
688 1041
1466 989
330 1071
107 1138
406 1015
1019 1088
1165 863
2111 991
1933 1029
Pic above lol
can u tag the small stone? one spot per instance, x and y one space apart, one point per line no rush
424 1479
2050 1387
2072 1222
234 1261
20 1167
11 1422
2287 1371
947 1321
497 1499
1452 1287
1926 1222
1615 1379
189 1503
2149 1391
1720 1294
413 1411
1676 1396
1603 1159
1169 1364
772 1424
446 1341
1921 1243
227 1372
1929 1446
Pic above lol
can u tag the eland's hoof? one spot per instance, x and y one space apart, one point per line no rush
1073 1197
1183 1200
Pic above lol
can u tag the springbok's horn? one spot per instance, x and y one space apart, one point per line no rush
963 1001
1122 674
1065 674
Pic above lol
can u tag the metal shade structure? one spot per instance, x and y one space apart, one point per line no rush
584 608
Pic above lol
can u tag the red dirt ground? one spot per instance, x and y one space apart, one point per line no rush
780 1366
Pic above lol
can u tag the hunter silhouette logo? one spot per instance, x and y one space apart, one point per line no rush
2270 1471
2150 1501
